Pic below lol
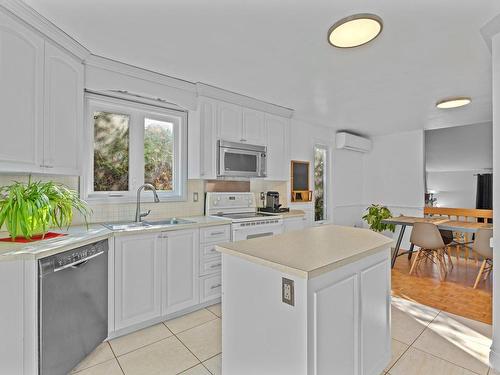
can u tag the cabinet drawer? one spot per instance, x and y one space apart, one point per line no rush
218 233
212 265
210 287
208 251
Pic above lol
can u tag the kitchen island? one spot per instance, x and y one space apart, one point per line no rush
315 301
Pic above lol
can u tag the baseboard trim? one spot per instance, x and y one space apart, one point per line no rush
494 359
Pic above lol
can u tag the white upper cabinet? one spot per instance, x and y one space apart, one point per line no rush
278 150
239 124
41 101
180 281
229 122
63 111
254 127
21 93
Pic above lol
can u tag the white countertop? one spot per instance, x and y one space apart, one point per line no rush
77 236
310 252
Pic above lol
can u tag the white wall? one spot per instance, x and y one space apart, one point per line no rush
454 189
394 174
453 156
345 193
495 347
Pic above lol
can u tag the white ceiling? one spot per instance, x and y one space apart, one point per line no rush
277 51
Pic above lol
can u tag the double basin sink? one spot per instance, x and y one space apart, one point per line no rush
147 224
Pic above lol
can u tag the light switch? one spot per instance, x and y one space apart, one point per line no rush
195 196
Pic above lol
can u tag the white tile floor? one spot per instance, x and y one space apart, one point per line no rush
425 341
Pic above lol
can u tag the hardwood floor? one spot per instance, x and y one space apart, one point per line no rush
454 295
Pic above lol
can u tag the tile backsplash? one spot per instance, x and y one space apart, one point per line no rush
109 212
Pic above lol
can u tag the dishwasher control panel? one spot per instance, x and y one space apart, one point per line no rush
73 256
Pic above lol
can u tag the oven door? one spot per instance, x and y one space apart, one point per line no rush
239 163
247 233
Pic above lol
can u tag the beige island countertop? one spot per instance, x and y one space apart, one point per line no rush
310 252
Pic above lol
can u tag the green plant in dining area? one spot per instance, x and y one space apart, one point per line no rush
374 216
28 209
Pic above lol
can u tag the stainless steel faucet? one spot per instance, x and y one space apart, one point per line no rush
138 214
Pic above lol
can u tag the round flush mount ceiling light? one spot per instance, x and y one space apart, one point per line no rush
355 30
453 102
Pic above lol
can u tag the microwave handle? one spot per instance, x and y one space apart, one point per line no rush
263 165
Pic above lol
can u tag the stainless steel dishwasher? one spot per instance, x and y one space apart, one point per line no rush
72 306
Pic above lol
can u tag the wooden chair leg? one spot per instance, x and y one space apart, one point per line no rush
414 263
448 253
439 264
480 273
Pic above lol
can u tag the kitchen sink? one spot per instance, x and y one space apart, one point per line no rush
125 226
170 221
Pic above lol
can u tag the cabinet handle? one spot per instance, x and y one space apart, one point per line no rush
215 286
243 140
217 265
216 233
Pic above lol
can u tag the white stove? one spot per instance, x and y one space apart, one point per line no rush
241 209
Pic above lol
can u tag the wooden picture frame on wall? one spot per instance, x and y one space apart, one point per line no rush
299 181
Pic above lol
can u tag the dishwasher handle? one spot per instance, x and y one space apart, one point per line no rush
78 263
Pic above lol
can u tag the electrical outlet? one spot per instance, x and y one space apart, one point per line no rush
287 291
195 196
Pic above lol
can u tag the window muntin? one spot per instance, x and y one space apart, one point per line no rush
320 182
157 150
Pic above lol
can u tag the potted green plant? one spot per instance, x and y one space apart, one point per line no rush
29 209
374 216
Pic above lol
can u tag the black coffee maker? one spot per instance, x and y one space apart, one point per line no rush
273 200
273 203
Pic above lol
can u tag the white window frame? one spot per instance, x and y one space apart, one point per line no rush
326 182
137 111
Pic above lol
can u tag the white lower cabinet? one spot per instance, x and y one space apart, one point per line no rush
210 287
294 223
138 270
180 270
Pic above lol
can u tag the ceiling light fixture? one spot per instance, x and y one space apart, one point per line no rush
453 102
355 30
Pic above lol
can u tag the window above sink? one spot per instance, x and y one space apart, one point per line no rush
130 143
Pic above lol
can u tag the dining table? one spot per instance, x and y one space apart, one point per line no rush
442 222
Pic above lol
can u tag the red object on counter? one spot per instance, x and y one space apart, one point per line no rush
47 236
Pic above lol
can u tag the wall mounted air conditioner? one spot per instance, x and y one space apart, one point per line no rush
347 141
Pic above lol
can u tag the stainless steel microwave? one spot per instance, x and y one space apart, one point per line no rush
241 160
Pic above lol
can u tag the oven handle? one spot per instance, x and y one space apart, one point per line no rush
257 235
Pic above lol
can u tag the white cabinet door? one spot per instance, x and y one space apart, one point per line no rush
375 314
21 97
278 152
180 281
137 279
294 223
337 346
229 122
63 111
254 127
208 138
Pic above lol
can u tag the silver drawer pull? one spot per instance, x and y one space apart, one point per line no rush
215 286
217 265
216 233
